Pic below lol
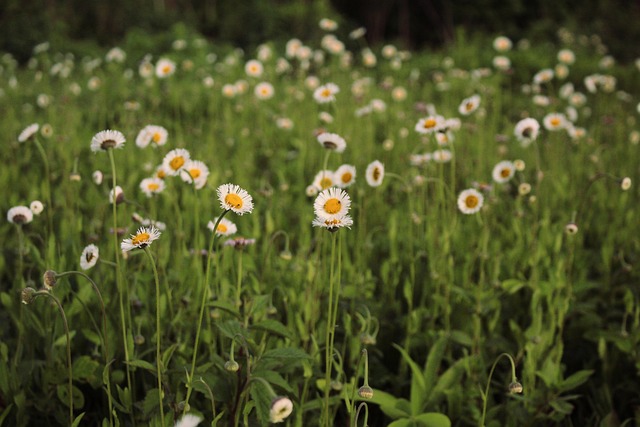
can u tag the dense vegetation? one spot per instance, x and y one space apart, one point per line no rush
532 280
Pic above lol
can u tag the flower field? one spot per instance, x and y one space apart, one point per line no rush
321 233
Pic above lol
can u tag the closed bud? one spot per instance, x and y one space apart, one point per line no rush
231 366
365 392
625 183
515 387
27 295
138 339
49 279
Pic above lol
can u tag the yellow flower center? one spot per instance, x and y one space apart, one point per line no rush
429 123
376 174
222 228
153 186
156 137
176 163
325 183
332 206
166 69
325 93
346 177
505 173
195 173
140 239
233 200
555 121
161 174
471 201
469 106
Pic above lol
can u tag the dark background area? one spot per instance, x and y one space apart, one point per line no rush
245 23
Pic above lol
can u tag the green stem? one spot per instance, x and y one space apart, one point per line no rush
158 333
119 284
203 301
485 396
105 342
66 331
47 172
328 338
239 282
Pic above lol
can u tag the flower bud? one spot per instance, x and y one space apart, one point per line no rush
365 392
27 295
515 388
49 279
231 366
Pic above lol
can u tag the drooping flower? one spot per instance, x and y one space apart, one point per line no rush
281 408
374 174
143 238
89 257
234 198
333 224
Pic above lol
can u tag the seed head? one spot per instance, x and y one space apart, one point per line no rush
27 295
49 279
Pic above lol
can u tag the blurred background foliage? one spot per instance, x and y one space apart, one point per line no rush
77 25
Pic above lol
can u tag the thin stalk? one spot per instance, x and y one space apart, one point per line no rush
119 284
485 396
47 172
158 333
328 339
66 331
203 301
105 342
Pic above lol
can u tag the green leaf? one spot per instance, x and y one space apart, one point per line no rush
125 397
512 286
447 380
433 362
273 326
63 394
262 399
4 414
92 336
84 368
142 364
402 423
275 379
562 406
418 387
62 340
575 380
76 422
390 405
231 328
433 419
461 338
151 402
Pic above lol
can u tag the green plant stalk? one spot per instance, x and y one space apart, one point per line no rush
328 337
239 283
105 342
47 172
66 331
485 396
203 301
158 333
119 284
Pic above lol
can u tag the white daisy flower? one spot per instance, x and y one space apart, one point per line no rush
225 227
374 173
503 171
19 215
175 160
234 198
89 256
331 203
143 238
106 139
470 201
332 141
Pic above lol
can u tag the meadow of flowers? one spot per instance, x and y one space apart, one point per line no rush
321 233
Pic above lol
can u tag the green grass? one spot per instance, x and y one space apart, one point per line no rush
434 296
